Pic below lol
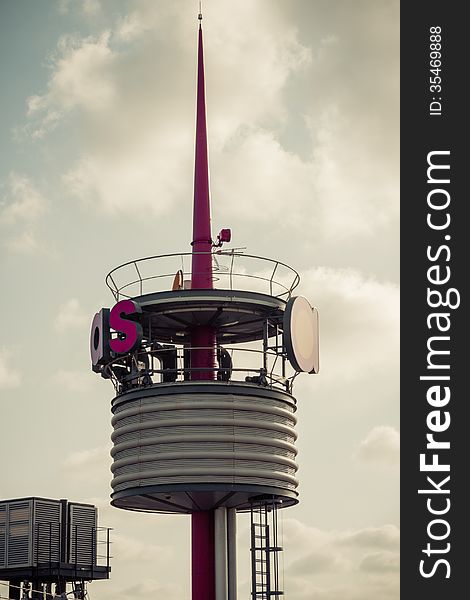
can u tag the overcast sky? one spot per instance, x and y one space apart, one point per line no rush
96 168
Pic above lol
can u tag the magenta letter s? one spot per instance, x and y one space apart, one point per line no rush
130 329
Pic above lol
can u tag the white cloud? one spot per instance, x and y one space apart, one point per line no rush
63 6
130 27
9 376
249 56
381 445
316 562
21 205
24 243
313 556
149 588
73 381
136 156
352 198
22 201
141 180
128 548
81 77
89 8
70 316
387 537
91 466
257 177
333 565
380 562
359 322
85 459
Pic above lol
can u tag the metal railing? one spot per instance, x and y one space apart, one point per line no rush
91 552
146 368
231 270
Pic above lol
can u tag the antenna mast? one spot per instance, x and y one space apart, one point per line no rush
203 338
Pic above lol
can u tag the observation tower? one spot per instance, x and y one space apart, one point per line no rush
202 348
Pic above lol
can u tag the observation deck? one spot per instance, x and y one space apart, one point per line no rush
182 445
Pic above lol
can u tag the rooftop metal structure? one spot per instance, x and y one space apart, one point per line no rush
46 544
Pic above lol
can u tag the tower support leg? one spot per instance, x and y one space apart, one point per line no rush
14 589
203 555
221 548
36 594
232 553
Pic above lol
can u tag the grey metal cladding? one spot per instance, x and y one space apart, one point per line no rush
3 537
47 524
236 438
82 524
18 534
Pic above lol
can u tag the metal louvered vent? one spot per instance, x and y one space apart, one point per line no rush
45 542
47 522
82 537
19 534
3 539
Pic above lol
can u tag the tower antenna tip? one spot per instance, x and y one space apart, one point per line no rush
200 11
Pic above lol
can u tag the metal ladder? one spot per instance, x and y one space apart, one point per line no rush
264 551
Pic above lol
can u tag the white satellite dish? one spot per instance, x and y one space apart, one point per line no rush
301 335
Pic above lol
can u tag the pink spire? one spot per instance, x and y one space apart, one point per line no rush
202 239
203 338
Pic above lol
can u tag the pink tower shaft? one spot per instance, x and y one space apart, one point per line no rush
203 337
202 239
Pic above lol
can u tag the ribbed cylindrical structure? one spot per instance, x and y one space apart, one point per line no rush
188 446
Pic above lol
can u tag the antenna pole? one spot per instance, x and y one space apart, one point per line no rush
202 239
203 337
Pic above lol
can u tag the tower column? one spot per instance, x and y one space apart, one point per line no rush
232 553
202 555
221 547
203 337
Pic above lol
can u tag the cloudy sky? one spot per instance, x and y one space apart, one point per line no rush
96 153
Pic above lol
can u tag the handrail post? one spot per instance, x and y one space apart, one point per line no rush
50 546
93 558
231 271
107 551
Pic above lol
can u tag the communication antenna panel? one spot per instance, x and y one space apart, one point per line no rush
301 335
